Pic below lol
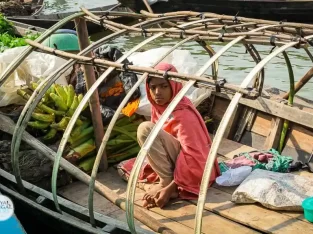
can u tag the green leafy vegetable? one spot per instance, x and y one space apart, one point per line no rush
8 38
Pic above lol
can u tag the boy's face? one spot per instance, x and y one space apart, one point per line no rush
160 91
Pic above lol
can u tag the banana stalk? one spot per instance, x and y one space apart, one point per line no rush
80 151
87 164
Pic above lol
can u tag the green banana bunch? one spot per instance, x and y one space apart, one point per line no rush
121 145
55 110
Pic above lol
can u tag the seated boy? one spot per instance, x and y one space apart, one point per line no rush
179 153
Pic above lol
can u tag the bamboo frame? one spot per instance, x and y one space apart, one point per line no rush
247 32
111 125
131 187
34 99
221 129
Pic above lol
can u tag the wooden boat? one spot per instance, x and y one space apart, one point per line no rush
245 118
279 10
47 21
21 8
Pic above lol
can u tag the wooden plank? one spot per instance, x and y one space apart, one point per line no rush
184 212
219 108
230 148
247 117
230 189
260 218
262 124
175 226
179 214
301 138
293 114
272 139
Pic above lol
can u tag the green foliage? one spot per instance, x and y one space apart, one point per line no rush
5 26
7 37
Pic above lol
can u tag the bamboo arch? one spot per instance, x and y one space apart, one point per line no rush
187 26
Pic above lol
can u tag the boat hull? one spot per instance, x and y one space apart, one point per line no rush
297 11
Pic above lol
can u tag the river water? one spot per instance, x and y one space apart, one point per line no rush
234 65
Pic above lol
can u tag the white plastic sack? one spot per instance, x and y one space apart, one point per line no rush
277 191
36 65
233 177
184 63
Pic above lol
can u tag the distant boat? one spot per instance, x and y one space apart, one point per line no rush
47 21
21 8
279 10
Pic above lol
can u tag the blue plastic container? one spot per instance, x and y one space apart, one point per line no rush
307 205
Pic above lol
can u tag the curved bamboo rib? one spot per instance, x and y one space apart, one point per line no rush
131 187
188 26
225 17
112 123
221 129
77 113
18 60
5 75
32 103
29 107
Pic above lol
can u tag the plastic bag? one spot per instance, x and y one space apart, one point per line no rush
274 190
233 177
36 65
184 63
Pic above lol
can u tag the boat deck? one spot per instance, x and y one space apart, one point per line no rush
221 215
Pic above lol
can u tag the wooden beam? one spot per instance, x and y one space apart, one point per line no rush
272 140
281 110
90 79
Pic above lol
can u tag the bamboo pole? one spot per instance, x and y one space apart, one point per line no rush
131 187
17 61
35 99
112 123
90 79
178 31
148 6
78 111
290 101
226 17
220 132
5 75
7 125
228 39
301 82
152 72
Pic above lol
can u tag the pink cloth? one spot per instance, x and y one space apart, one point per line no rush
242 160
187 125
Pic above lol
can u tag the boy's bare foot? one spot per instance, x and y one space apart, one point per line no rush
160 196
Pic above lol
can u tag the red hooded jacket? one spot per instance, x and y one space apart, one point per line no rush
188 127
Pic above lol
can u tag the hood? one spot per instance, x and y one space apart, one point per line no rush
175 86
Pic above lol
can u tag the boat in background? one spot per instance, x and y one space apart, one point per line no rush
278 10
21 8
47 21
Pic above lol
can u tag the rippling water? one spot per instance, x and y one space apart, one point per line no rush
234 65
61 6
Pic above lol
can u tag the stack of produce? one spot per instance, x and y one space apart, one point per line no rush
53 114
8 38
122 144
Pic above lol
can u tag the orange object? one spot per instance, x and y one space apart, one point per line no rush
116 90
130 108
